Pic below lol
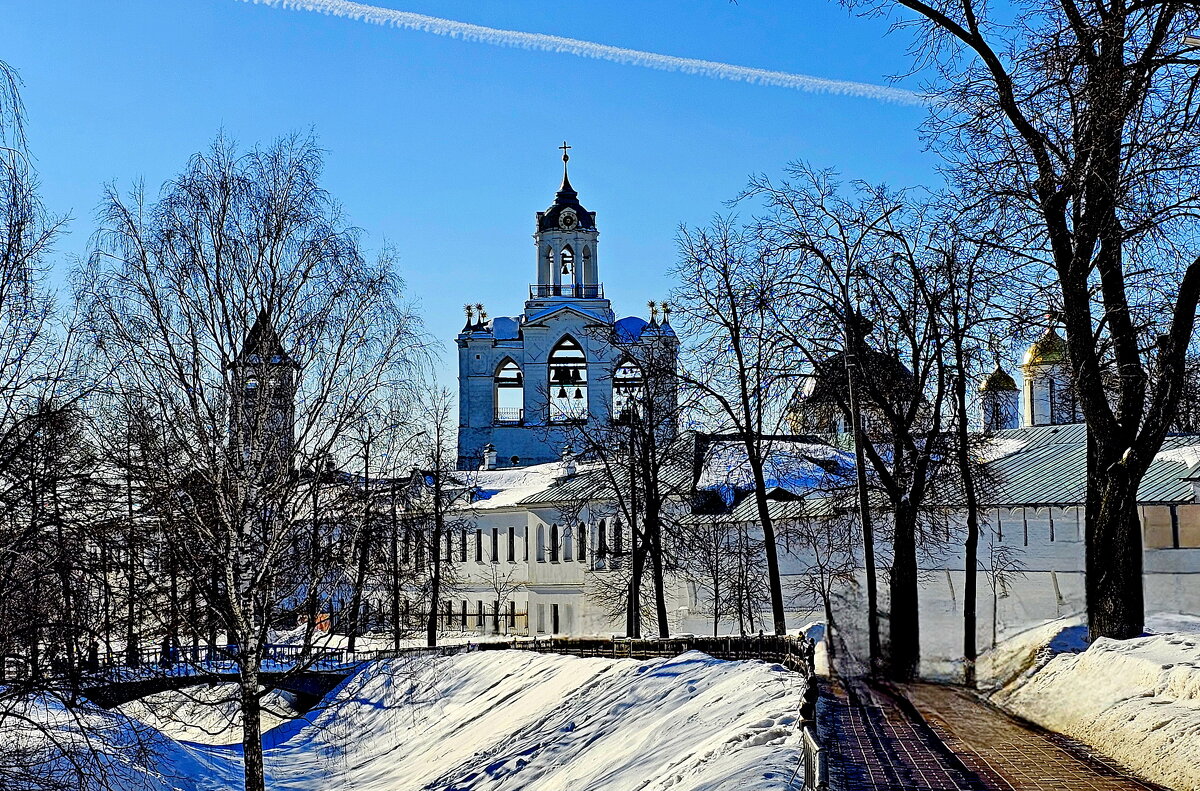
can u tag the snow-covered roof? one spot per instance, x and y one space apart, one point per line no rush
508 487
794 466
506 328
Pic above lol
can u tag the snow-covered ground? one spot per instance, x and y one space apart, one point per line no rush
518 720
1137 701
206 714
508 720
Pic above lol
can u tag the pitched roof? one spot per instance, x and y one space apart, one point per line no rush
263 340
1047 465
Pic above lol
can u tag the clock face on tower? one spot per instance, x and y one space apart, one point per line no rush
567 220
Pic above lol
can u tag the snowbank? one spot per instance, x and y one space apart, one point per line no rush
44 743
519 720
207 714
497 721
1137 701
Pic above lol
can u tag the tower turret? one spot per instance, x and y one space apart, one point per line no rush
998 397
1050 397
566 239
263 402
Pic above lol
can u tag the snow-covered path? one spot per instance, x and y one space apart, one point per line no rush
519 720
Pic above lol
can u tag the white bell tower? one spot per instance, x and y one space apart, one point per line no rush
566 239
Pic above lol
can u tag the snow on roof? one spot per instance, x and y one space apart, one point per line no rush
794 466
507 487
506 328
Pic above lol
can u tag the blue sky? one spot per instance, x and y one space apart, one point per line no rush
445 149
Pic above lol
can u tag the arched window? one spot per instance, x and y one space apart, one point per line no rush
553 543
581 547
509 395
568 382
618 537
589 267
629 388
568 544
602 540
541 544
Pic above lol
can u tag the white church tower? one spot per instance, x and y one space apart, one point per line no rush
527 383
998 397
1049 391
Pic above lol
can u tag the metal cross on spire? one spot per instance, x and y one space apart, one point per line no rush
565 148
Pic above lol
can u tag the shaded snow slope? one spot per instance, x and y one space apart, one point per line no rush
518 720
89 748
487 721
206 714
1137 701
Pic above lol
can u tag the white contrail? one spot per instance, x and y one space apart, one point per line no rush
588 49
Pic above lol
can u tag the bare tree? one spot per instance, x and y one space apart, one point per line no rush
737 360
1077 124
504 584
710 557
244 314
869 284
642 465
825 535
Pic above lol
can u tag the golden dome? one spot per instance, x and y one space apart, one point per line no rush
997 381
1050 349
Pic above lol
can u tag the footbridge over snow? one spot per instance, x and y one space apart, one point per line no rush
309 674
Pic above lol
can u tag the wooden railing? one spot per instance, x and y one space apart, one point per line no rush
220 660
794 653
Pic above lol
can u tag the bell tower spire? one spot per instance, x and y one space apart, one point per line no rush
566 240
566 183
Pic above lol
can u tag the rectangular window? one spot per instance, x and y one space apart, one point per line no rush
479 613
464 615
526 555
541 618
462 552
478 546
512 544
512 615
495 545
449 546
581 546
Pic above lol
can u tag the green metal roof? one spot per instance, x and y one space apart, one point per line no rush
1047 465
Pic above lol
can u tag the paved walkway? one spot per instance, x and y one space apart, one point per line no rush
927 737
1009 754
